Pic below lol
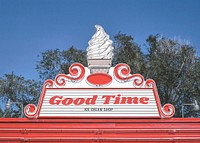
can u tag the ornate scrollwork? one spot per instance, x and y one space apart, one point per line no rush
150 83
76 73
168 110
30 111
122 74
48 83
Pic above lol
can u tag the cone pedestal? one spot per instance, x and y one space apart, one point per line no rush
99 65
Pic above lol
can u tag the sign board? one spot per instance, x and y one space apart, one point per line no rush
99 90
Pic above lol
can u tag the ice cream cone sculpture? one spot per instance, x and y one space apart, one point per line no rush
100 52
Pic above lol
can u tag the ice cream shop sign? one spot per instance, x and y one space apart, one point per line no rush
99 90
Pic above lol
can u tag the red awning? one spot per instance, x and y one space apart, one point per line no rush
173 130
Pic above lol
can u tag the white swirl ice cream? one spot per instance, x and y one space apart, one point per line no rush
100 46
100 51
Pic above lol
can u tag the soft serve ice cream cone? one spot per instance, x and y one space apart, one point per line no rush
99 52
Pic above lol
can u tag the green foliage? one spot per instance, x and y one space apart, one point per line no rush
1 113
54 62
172 64
50 64
19 91
127 51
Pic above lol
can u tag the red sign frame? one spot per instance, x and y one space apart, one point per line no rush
121 74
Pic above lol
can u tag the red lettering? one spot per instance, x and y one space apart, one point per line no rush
55 100
135 100
144 100
117 99
129 100
107 98
92 100
67 101
125 100
79 101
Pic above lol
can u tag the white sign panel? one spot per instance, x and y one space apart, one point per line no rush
99 103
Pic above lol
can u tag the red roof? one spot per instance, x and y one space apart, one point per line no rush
100 130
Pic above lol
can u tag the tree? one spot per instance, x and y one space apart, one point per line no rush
194 81
129 52
173 66
18 89
1 112
54 62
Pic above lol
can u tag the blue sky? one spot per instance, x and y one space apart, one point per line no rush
29 27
